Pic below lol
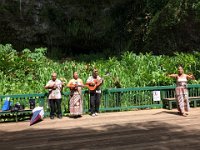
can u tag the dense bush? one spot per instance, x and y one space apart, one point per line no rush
28 72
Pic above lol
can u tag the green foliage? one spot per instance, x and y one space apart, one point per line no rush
37 55
28 72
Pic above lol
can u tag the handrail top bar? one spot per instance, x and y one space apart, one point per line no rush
23 95
111 90
150 88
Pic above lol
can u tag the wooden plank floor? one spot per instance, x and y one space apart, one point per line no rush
157 129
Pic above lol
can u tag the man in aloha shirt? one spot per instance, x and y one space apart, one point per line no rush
55 87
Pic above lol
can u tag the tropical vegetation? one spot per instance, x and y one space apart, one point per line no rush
28 72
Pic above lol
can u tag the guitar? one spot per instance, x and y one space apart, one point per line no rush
96 84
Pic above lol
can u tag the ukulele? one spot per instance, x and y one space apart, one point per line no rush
73 86
96 84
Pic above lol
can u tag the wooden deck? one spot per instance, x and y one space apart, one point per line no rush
157 129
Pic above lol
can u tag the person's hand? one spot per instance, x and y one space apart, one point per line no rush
76 86
63 84
92 84
167 75
54 87
190 73
192 76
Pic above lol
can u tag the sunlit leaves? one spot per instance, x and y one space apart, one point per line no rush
28 72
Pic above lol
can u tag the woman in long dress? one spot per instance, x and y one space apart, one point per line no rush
76 102
182 91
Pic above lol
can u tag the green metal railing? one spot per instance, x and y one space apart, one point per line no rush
113 99
23 99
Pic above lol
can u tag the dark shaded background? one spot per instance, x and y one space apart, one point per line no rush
109 27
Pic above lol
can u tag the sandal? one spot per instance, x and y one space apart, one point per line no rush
184 114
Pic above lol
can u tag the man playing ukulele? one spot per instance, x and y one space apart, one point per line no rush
95 94
55 98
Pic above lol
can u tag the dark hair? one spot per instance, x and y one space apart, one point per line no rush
180 65
94 70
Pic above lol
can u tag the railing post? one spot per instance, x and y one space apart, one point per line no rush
105 98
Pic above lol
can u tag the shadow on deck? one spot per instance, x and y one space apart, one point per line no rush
156 135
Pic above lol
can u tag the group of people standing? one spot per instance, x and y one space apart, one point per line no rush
94 82
76 84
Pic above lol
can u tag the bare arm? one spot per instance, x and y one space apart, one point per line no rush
101 82
69 84
49 87
190 76
90 83
172 75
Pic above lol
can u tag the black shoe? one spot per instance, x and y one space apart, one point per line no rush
79 116
76 116
60 116
52 117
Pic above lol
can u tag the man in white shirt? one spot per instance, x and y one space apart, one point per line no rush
55 87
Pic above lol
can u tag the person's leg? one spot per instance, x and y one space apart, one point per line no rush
78 105
81 106
71 105
58 105
92 103
186 103
180 104
97 102
177 104
52 108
